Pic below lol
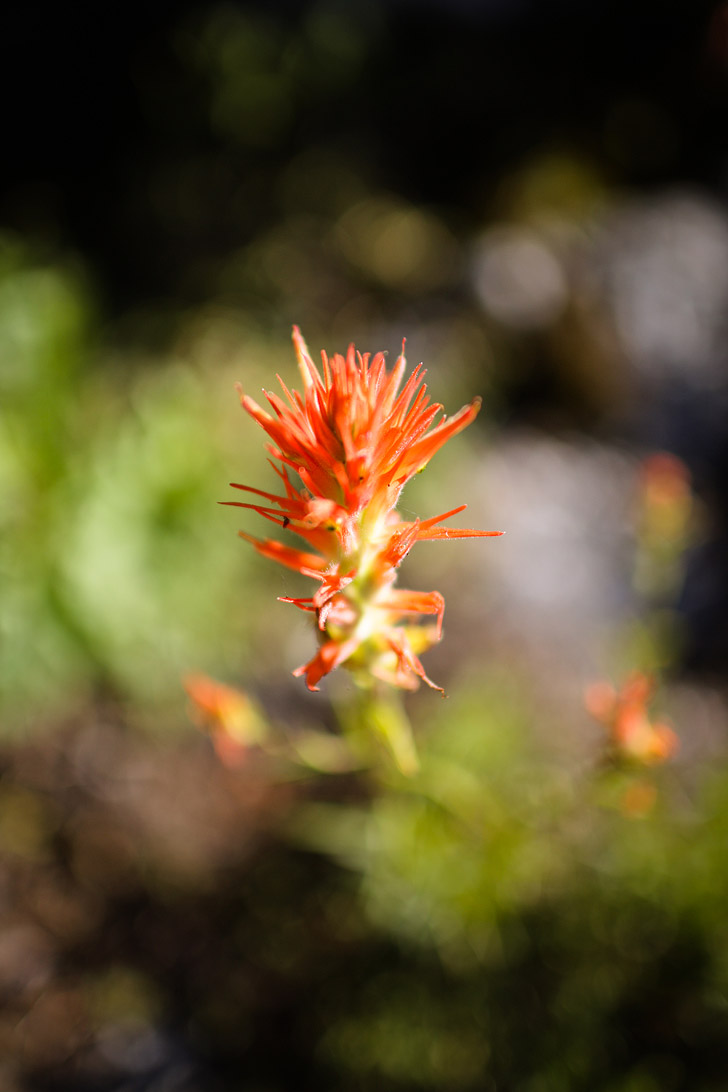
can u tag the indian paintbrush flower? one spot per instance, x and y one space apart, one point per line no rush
228 715
633 734
353 440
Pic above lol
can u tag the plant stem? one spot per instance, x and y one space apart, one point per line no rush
378 712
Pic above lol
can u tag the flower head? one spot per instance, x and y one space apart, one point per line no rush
353 438
634 735
227 714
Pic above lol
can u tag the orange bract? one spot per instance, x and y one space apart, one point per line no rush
354 439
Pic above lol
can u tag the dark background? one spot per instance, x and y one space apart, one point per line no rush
438 102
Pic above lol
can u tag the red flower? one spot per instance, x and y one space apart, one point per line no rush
227 714
633 733
354 439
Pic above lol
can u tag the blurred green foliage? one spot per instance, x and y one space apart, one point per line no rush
116 565
500 920
548 938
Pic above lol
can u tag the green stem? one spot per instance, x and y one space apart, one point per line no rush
379 713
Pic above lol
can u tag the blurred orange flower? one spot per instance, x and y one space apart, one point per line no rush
354 439
633 733
666 497
227 714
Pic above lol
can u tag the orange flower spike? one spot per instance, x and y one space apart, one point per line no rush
228 715
665 481
633 733
354 439
666 500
